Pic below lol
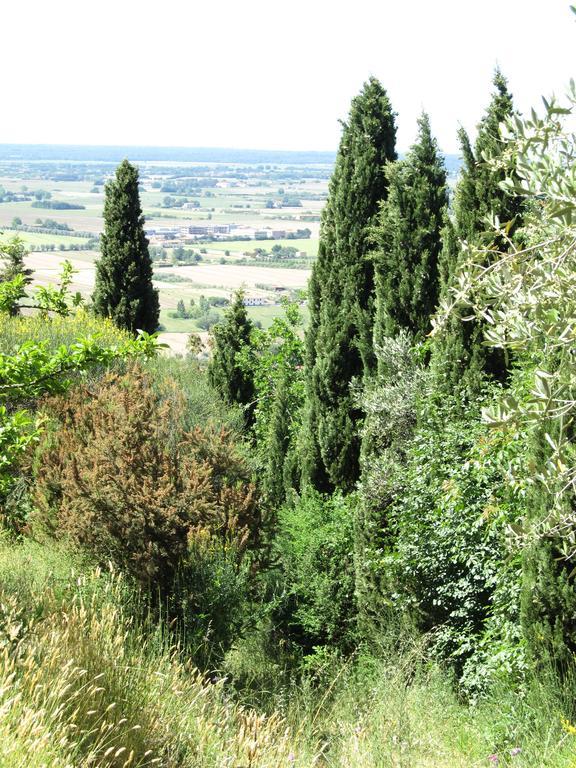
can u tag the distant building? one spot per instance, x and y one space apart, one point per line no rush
209 229
255 301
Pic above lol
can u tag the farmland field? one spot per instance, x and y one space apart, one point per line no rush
244 197
309 246
267 195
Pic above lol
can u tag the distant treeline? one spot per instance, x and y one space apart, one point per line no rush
183 154
53 231
58 205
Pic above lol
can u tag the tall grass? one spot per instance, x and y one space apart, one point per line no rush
56 331
85 681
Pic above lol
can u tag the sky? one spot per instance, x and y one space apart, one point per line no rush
261 74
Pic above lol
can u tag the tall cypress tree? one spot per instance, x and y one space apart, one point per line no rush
341 291
460 360
409 239
227 372
123 289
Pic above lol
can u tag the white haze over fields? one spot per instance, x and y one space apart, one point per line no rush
265 74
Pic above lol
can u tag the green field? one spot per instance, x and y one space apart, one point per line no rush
264 315
37 238
309 246
221 208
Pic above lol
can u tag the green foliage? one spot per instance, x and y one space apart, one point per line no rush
275 359
209 599
432 527
226 373
390 402
408 239
449 547
12 254
460 359
123 289
315 548
525 291
339 337
32 368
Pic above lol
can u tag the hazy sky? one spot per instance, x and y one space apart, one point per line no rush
265 74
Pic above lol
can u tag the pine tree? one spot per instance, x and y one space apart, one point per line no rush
123 289
409 239
226 372
341 292
459 358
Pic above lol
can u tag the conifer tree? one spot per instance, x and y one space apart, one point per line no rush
341 292
123 289
226 371
409 239
460 359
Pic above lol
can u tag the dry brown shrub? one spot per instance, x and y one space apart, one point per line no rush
119 476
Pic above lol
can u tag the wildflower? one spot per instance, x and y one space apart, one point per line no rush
493 759
291 757
515 751
568 727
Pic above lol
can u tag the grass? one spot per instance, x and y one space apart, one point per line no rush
267 314
177 324
87 680
309 246
37 238
56 331
89 219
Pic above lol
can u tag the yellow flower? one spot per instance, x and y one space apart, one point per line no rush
568 727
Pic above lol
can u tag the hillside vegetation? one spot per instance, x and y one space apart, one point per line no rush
349 546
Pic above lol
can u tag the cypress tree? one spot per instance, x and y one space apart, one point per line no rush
227 370
409 239
341 292
459 358
123 288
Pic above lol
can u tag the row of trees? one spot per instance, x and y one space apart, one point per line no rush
376 408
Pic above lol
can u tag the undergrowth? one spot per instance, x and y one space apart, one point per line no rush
86 680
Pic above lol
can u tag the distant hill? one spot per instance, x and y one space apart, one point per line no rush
79 153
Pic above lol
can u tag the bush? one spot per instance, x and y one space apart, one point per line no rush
451 567
121 478
315 547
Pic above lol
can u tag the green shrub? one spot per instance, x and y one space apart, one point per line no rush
315 548
210 598
451 567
